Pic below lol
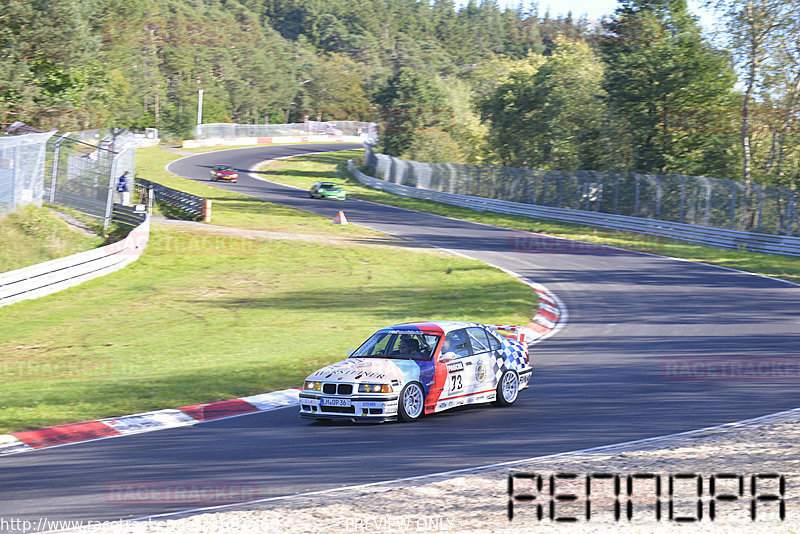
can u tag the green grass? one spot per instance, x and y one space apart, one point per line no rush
33 235
202 317
230 208
299 172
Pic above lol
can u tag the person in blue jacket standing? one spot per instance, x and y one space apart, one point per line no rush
122 187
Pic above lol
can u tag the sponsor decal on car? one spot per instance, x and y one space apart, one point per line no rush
480 372
455 367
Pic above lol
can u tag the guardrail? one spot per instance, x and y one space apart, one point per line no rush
55 275
715 237
195 206
128 215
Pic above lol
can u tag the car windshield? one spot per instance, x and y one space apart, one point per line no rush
224 168
332 187
398 345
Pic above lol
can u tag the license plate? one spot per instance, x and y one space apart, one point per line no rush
343 403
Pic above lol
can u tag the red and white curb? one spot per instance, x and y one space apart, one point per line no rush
29 440
550 318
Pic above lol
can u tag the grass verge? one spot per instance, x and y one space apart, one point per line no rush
34 235
205 316
296 172
230 208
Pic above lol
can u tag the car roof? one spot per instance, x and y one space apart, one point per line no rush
432 327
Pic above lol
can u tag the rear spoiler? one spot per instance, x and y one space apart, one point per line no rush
520 333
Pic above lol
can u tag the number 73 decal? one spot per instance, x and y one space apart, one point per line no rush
456 382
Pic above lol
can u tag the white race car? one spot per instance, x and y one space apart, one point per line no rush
407 370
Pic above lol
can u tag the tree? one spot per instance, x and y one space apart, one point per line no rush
511 109
570 128
764 35
662 78
434 146
407 103
337 89
552 115
47 50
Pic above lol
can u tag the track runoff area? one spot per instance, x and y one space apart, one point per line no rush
611 375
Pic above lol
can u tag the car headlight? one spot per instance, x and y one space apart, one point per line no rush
313 386
374 388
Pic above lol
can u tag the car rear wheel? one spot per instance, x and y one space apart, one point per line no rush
507 389
412 402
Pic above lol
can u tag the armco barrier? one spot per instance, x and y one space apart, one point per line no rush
55 275
186 202
128 215
716 237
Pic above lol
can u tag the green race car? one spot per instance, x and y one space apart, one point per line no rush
327 190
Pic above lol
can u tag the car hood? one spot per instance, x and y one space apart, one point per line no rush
368 370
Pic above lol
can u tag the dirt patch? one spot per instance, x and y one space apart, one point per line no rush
210 229
75 223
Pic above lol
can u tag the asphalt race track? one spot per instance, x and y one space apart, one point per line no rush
605 378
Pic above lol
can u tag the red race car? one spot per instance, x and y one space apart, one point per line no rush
225 173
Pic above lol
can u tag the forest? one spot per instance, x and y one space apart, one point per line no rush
645 90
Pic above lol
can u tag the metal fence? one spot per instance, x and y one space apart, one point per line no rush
185 203
716 237
76 169
367 130
83 168
694 200
22 162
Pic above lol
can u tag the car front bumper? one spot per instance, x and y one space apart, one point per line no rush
362 408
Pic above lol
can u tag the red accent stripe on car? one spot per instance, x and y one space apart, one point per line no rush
466 395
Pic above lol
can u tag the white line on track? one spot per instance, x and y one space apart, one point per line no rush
761 419
467 470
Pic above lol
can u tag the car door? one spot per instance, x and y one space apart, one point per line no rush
455 356
482 381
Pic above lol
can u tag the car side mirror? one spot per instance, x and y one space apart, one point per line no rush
448 356
350 352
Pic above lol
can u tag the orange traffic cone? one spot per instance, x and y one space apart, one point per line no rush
340 218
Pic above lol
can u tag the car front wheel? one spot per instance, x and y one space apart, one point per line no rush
507 389
412 402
